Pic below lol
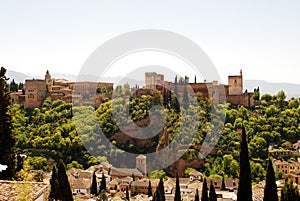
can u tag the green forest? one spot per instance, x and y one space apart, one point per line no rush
59 130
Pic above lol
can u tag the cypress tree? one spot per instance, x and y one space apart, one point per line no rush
155 196
149 189
55 192
103 183
127 194
289 192
176 87
165 98
204 196
185 98
161 191
13 86
197 195
175 104
270 191
7 139
212 193
102 196
223 186
64 182
245 188
177 190
20 163
94 189
169 99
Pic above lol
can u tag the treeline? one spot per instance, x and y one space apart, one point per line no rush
59 131
274 122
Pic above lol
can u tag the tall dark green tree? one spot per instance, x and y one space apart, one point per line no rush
7 138
185 98
270 191
94 189
155 196
223 186
197 195
102 196
176 87
165 97
103 183
245 188
169 99
212 193
64 182
55 190
20 86
149 189
127 194
161 191
175 104
256 95
20 163
289 192
13 86
177 190
204 196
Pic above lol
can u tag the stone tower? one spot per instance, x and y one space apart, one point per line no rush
235 84
35 91
152 79
48 77
141 164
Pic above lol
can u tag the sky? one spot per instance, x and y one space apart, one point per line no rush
260 37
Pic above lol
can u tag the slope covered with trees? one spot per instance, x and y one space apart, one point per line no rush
59 131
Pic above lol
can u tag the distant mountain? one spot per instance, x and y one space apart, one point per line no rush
17 76
291 90
21 77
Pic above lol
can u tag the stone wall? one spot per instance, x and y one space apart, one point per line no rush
35 93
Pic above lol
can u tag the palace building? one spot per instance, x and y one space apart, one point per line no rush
37 90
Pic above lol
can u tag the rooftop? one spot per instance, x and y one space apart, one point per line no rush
13 190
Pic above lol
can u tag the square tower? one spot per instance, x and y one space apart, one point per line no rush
153 79
35 93
235 84
141 164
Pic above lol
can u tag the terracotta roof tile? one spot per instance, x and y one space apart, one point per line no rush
123 172
11 190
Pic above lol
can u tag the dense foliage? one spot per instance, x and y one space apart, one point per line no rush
7 138
59 131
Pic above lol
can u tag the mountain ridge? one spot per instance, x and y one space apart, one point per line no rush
291 89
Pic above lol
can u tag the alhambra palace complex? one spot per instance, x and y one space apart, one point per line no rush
37 90
89 93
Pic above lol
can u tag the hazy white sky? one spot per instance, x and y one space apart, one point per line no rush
260 37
